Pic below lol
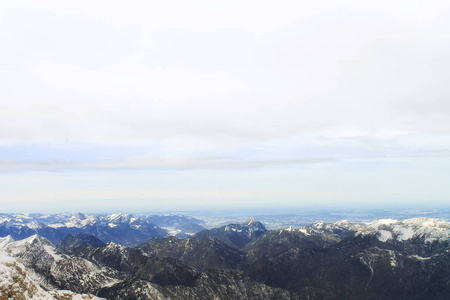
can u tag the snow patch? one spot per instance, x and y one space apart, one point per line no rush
304 231
289 229
384 235
419 257
426 229
404 233
49 249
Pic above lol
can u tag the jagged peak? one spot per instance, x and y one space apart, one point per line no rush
7 238
318 224
5 241
121 218
112 245
250 221
5 219
288 229
78 216
253 223
33 240
343 223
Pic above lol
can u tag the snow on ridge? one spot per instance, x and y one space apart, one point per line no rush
428 222
382 222
28 240
318 224
304 231
34 225
77 220
322 227
428 229
17 283
50 250
342 224
35 243
419 257
424 229
16 278
112 246
5 241
118 216
290 228
384 235
250 221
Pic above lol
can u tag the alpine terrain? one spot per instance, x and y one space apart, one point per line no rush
106 257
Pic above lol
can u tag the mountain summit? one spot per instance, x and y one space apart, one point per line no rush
237 235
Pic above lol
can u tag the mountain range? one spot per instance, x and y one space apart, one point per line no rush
125 229
384 259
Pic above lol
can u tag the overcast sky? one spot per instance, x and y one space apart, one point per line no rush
169 105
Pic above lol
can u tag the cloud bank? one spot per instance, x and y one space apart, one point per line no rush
344 88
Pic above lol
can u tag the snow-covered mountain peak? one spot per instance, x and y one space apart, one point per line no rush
5 241
382 222
77 216
111 246
340 229
121 218
31 249
289 229
77 220
4 219
318 225
17 283
250 221
35 225
253 227
428 222
342 224
423 229
32 239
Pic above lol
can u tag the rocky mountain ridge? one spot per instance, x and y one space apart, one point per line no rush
19 282
125 229
384 259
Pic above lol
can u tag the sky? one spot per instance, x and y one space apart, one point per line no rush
177 105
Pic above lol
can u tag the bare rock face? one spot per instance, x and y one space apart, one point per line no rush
235 235
384 259
198 253
135 263
53 269
17 284
211 284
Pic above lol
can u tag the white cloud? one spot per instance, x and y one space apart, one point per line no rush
240 71
236 86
